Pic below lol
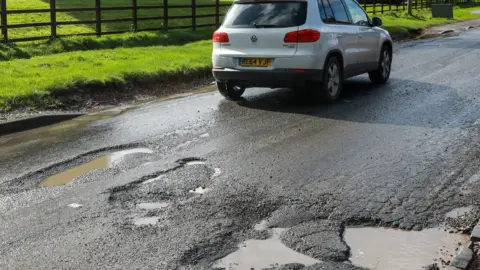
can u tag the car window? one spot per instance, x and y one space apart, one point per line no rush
339 11
326 12
266 14
358 15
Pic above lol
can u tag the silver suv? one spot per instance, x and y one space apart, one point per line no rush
304 44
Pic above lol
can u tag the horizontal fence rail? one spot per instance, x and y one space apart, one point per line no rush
164 15
382 6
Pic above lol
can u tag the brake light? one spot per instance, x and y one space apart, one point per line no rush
220 37
302 36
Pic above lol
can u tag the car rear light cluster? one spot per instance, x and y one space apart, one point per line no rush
220 37
302 36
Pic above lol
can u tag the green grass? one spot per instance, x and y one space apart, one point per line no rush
37 81
118 26
128 40
401 23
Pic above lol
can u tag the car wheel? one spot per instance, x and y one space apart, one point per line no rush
230 91
332 83
382 74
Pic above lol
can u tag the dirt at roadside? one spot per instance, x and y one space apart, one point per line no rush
87 100
456 27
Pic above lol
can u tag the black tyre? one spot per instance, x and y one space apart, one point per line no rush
230 91
382 74
332 81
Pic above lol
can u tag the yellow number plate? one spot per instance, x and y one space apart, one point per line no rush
256 62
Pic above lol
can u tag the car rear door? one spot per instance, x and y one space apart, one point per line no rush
339 28
368 38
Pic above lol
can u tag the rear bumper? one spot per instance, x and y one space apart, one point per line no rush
268 78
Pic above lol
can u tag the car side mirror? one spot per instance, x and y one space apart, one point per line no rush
376 21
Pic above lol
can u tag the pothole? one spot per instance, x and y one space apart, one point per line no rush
263 225
144 221
384 248
260 254
103 162
153 205
217 172
75 205
153 179
195 162
459 212
199 190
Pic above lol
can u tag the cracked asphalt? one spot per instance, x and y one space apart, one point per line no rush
400 155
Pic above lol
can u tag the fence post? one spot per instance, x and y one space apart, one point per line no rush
194 14
374 7
389 5
217 13
165 15
3 19
134 16
98 18
53 19
382 7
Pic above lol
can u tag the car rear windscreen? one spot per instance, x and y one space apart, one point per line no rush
266 15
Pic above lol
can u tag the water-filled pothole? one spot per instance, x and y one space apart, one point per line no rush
144 221
75 205
195 162
459 212
153 205
260 254
102 162
393 249
199 190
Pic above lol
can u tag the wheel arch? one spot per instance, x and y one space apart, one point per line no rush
389 45
337 53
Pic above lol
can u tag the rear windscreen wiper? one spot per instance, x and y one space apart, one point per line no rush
266 25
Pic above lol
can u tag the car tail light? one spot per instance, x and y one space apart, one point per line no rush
220 37
302 36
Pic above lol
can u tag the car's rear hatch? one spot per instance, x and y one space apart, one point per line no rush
258 28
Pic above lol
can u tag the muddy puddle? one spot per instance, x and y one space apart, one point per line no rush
153 205
145 221
260 254
199 190
103 162
392 249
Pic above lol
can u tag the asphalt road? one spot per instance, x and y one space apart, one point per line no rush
400 155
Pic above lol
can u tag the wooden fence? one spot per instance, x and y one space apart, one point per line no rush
382 6
98 9
371 6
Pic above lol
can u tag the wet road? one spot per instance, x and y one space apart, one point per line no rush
400 155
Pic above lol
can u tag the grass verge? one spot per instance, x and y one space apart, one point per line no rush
43 82
40 82
82 43
400 23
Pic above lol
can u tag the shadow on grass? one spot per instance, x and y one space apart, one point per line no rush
128 40
81 95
